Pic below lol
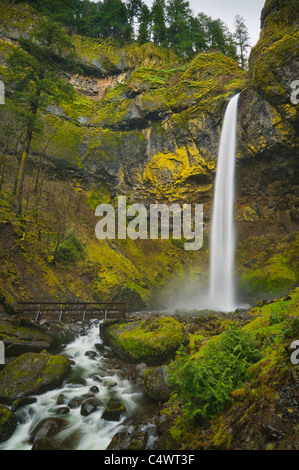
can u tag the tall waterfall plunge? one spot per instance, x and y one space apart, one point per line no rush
222 288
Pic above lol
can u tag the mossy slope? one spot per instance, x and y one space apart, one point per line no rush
271 385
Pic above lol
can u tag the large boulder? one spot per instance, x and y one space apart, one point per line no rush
154 341
136 440
47 428
156 383
20 337
32 374
8 423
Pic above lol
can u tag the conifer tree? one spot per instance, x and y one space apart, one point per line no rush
145 19
34 72
178 16
241 38
159 22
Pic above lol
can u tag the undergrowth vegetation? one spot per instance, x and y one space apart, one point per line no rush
206 382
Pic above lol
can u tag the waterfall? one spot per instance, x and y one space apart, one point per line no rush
222 289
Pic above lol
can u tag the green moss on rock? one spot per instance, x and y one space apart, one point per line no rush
32 374
20 337
270 265
154 341
8 423
156 383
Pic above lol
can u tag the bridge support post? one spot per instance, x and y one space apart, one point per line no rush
38 314
61 313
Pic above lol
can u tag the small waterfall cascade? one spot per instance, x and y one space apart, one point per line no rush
94 431
222 288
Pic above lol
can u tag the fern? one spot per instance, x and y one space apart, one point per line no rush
205 383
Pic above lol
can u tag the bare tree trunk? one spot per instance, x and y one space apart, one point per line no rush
24 157
22 172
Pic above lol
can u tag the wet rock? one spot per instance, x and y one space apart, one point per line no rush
129 441
63 410
8 423
114 411
67 332
103 373
47 428
94 389
140 369
75 402
23 402
99 347
32 374
155 384
91 354
22 416
98 379
61 400
90 406
76 380
110 383
20 337
46 444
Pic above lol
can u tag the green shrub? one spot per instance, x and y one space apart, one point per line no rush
205 383
292 328
277 315
69 250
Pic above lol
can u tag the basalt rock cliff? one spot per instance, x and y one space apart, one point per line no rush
147 125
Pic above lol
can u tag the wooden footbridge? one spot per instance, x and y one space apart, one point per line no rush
60 311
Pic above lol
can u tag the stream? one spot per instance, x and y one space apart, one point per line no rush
108 381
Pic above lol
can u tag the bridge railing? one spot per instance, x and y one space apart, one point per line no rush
71 310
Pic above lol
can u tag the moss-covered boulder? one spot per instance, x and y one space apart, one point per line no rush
21 337
136 440
154 341
8 423
156 383
32 374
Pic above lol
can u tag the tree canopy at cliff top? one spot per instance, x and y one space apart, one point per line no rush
169 23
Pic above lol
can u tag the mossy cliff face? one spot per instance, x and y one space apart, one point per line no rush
267 186
147 124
